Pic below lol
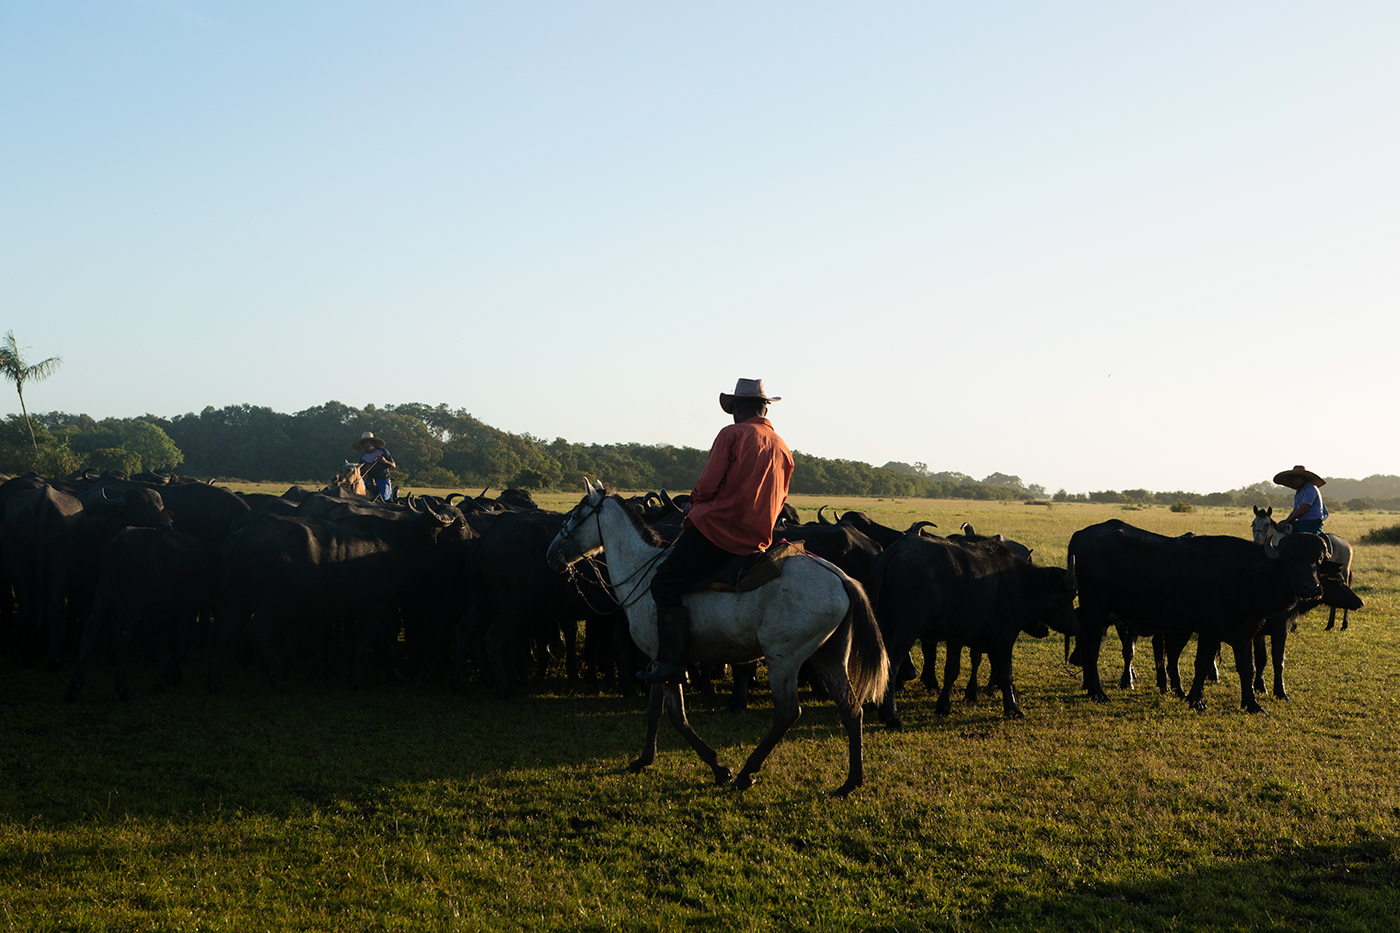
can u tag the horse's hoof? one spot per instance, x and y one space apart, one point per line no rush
744 782
722 775
845 789
896 725
1099 697
1254 708
638 766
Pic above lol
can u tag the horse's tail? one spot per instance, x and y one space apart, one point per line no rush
868 665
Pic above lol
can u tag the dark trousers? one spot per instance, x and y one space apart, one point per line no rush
692 556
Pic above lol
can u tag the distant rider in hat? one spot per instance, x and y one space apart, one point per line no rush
733 508
1308 511
377 463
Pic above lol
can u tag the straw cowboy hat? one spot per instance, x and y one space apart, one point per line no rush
1297 476
745 388
368 440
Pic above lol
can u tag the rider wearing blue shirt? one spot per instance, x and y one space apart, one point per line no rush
1308 511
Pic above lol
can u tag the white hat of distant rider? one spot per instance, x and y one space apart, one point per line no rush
368 440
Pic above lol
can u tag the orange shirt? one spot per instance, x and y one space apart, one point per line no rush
743 487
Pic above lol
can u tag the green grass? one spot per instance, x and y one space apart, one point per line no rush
406 808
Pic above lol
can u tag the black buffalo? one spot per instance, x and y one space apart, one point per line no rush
150 588
1221 588
972 592
52 542
291 580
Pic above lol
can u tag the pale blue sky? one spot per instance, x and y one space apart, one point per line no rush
1079 242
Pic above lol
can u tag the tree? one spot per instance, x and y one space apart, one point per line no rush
151 444
17 370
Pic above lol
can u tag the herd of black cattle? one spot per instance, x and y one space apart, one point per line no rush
323 583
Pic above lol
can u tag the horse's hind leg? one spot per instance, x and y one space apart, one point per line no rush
783 679
676 707
852 717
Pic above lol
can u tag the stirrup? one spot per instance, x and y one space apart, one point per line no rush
660 673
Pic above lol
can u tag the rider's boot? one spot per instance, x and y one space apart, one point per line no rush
673 636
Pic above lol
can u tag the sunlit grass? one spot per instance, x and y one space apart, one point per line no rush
407 808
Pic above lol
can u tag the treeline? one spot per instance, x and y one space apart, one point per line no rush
435 447
1374 492
441 447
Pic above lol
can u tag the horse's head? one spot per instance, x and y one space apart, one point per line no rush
350 478
1269 532
581 535
1263 525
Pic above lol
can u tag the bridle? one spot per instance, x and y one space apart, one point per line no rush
570 526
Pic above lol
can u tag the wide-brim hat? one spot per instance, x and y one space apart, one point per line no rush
368 440
745 388
1291 477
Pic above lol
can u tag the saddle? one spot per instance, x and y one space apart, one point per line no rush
747 572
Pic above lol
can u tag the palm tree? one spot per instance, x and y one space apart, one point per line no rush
14 368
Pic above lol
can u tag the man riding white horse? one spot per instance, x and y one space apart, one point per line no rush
733 508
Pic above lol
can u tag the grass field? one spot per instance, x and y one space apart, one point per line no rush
409 808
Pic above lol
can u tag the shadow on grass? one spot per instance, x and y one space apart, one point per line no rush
1334 887
318 745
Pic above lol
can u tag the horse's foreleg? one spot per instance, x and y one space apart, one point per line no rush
648 754
676 706
1277 644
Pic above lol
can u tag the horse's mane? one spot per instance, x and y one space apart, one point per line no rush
647 533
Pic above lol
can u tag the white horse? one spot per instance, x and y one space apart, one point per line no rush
1268 532
811 613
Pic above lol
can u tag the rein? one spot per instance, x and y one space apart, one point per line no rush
610 587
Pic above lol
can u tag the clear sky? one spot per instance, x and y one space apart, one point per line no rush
1098 245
